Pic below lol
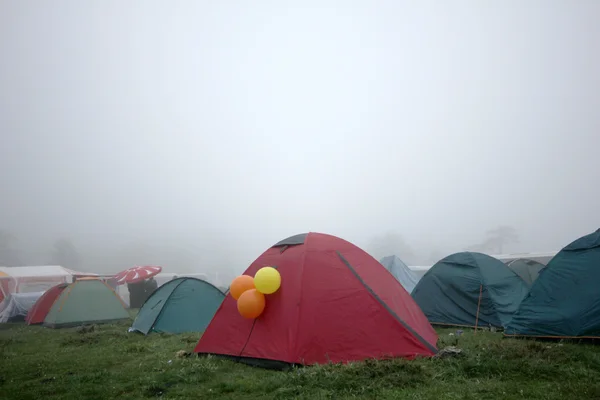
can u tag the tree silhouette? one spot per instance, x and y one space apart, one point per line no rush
501 236
496 240
65 254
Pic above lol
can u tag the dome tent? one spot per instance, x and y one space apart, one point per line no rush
40 309
180 305
469 289
401 272
336 304
85 301
528 270
564 301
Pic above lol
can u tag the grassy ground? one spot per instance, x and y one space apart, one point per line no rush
38 363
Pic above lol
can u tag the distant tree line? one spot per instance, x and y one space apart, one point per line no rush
63 253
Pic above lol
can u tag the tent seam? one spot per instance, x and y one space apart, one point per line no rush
67 294
484 284
388 309
165 302
115 293
301 291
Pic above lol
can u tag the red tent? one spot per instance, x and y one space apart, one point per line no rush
336 303
40 309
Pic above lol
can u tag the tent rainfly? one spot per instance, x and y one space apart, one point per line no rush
84 301
564 302
470 289
180 305
336 304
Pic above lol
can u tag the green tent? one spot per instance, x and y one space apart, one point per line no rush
180 305
469 289
565 300
528 270
86 301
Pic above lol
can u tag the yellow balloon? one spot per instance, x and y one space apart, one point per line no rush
267 280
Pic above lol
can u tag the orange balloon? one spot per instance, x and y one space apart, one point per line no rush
240 285
251 304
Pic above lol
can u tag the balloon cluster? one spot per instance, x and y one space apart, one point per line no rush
250 292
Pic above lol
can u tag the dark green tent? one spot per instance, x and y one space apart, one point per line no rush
469 289
565 300
528 270
180 305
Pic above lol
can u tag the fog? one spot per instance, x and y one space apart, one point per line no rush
196 134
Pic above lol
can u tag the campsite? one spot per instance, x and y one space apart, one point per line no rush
299 200
314 316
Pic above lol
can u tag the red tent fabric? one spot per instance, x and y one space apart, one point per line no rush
40 309
336 303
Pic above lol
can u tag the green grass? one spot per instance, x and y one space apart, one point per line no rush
38 363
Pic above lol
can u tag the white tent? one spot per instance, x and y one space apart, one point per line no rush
35 278
43 271
16 305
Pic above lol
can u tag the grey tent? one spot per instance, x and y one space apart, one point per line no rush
401 272
528 270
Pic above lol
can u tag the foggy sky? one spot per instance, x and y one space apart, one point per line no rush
222 127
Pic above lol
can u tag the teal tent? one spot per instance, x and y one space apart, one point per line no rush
469 289
528 270
180 305
565 300
401 272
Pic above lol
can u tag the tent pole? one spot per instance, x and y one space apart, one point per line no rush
478 305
